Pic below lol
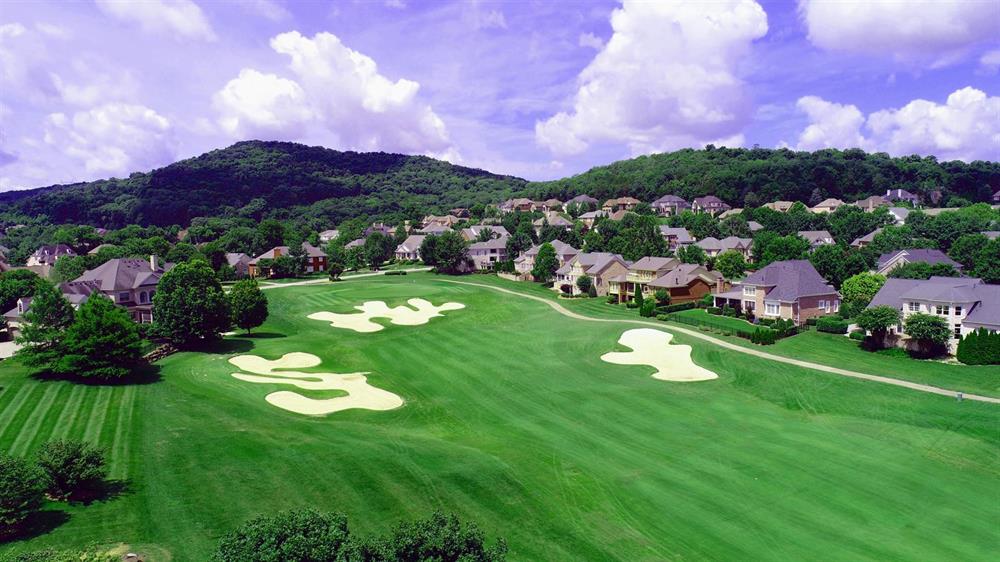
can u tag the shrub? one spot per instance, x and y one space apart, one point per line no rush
293 535
677 307
811 321
784 328
632 304
612 299
980 347
763 336
714 310
708 300
858 335
831 325
396 272
728 311
662 317
21 491
71 467
766 321
648 309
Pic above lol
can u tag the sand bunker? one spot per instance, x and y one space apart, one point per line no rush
400 315
360 394
652 347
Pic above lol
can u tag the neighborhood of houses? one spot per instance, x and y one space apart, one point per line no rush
792 290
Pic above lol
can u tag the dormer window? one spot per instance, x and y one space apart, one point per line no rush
750 290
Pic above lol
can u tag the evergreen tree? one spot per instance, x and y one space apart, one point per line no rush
247 304
43 327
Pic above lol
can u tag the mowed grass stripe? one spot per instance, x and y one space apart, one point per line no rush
33 424
50 422
9 410
97 416
79 423
70 409
120 447
18 414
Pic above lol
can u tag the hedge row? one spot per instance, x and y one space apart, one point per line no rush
980 347
831 325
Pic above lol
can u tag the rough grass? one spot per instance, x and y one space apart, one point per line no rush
511 419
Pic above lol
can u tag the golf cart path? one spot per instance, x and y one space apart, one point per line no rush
348 278
781 359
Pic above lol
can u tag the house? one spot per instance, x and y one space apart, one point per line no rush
966 303
865 240
459 212
445 220
817 238
240 262
730 213
620 204
828 205
687 282
381 228
755 226
670 205
315 260
410 248
713 246
638 276
791 289
520 205
585 201
524 263
890 261
780 206
96 249
128 282
589 218
471 234
548 206
599 266
894 195
899 214
485 255
869 204
996 198
551 218
328 235
619 215
676 237
356 243
47 255
709 204
433 228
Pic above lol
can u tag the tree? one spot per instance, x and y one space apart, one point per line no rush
440 537
22 486
966 249
861 288
979 347
43 327
923 270
282 267
102 342
335 270
247 304
298 256
878 320
486 234
662 297
988 262
71 468
836 263
930 332
378 249
181 252
692 253
780 248
452 253
16 284
428 250
546 264
305 535
731 264
68 268
189 305
517 243
584 283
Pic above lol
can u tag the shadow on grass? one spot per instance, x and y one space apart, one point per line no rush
260 335
224 347
144 374
37 524
106 490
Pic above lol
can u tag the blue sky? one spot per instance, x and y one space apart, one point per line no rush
535 89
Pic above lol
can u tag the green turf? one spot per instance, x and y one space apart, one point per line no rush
703 318
512 420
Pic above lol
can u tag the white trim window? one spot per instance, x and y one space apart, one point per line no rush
942 310
958 310
914 307
958 331
749 291
772 309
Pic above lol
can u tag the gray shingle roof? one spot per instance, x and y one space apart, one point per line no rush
122 274
982 298
648 263
682 234
790 280
912 255
683 275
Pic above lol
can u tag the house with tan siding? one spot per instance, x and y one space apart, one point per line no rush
599 266
791 289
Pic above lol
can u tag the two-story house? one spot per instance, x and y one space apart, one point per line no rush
551 218
524 263
676 237
583 202
965 303
410 248
47 255
620 204
713 246
315 260
817 238
828 205
862 241
791 289
895 195
869 204
709 204
687 282
599 266
780 206
240 263
517 205
638 276
472 233
486 255
670 205
128 282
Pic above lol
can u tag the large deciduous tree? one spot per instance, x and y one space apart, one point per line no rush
247 304
452 253
102 342
877 320
930 332
731 264
861 288
189 306
292 535
546 264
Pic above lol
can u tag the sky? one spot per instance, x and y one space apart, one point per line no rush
537 89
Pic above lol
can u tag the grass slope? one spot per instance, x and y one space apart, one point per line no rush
512 420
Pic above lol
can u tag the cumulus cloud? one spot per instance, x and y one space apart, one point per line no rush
181 18
335 91
965 127
114 138
666 79
590 40
938 32
989 62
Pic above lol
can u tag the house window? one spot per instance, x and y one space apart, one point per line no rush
958 331
142 297
750 291
123 297
958 311
771 309
942 310
914 307
822 305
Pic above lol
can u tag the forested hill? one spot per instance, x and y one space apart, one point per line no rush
750 177
322 187
276 179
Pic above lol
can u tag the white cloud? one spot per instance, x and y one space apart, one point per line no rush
666 79
590 40
114 138
493 19
181 18
938 32
336 92
989 63
965 127
268 9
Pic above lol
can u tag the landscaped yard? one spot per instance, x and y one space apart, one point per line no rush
511 419
703 318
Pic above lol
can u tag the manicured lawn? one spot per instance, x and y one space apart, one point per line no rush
512 420
717 321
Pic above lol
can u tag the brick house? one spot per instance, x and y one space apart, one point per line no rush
791 289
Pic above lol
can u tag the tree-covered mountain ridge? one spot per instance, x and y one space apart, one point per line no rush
324 186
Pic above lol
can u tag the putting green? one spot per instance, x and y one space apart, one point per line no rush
513 420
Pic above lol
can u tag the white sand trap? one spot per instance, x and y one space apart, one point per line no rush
652 347
360 394
400 315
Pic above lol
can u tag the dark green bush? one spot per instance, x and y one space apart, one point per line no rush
632 304
980 347
728 311
662 317
831 325
714 310
395 273
648 309
858 335
612 299
763 336
677 307
766 321
811 321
